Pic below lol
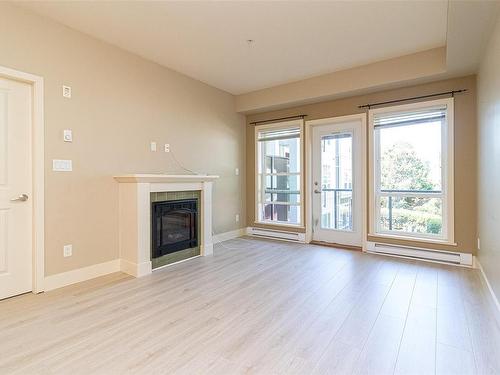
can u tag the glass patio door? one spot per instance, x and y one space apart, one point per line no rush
337 179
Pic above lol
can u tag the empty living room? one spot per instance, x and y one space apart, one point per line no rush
250 187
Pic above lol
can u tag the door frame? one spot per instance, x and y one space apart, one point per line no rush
309 167
38 178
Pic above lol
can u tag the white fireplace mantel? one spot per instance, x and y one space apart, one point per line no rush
156 178
135 215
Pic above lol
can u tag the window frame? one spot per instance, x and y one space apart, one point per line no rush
261 199
447 174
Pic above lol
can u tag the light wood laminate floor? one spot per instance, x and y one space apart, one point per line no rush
260 307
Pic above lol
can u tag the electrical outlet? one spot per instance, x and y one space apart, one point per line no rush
167 147
66 92
237 171
153 146
68 250
237 218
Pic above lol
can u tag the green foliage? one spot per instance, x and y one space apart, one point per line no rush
434 225
402 169
412 221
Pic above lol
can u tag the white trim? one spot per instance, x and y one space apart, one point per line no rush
308 169
135 269
166 178
38 172
278 125
424 254
488 285
81 274
416 239
448 188
221 237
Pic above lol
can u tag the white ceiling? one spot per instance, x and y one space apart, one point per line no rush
293 40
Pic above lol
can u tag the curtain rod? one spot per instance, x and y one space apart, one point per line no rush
452 93
277 119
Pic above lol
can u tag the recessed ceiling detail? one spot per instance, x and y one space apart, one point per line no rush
296 40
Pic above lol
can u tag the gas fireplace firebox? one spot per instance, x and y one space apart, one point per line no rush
174 226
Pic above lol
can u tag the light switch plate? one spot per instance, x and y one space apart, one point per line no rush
237 171
67 135
153 146
66 91
67 250
62 165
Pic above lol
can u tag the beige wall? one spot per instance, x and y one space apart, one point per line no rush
465 147
120 103
489 161
422 66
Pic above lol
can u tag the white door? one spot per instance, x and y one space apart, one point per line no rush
15 188
337 182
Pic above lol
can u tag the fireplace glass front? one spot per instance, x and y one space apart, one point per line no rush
174 226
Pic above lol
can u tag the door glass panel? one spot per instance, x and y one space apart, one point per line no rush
336 181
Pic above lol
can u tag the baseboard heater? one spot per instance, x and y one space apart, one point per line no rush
276 234
441 256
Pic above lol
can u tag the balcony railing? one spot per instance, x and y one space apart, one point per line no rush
392 194
344 222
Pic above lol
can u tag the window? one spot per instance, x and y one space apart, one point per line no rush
279 161
412 170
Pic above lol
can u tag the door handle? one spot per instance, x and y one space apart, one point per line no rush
317 191
21 198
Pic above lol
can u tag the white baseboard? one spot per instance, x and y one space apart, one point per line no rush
134 269
221 237
81 274
485 279
137 270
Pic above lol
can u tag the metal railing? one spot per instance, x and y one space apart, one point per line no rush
386 192
336 207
